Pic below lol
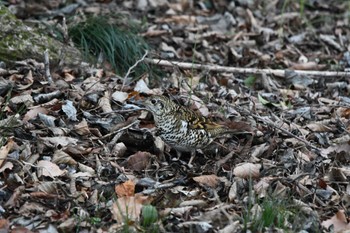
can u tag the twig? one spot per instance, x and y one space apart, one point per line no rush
132 67
278 72
121 129
47 66
270 123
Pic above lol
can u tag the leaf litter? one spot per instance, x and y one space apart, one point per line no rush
81 154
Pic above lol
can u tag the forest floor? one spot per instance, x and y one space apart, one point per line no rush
80 154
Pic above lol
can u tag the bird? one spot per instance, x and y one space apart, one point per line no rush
180 127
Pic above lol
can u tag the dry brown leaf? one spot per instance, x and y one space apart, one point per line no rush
4 150
120 96
142 87
82 128
33 113
85 168
129 208
125 189
318 127
339 222
47 187
179 19
247 170
308 66
49 169
26 99
207 180
105 104
62 157
139 161
344 112
60 140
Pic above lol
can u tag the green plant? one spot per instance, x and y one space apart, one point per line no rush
250 81
276 213
149 218
120 47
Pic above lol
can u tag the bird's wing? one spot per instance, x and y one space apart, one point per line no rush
195 121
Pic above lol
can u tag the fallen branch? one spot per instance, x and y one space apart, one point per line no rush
218 68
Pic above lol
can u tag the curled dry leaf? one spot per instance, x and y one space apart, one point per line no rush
47 168
125 189
85 168
247 170
119 149
105 104
69 109
139 161
82 128
61 157
142 87
207 180
120 96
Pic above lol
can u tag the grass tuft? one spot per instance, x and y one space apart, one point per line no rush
121 48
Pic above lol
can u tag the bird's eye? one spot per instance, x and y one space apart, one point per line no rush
153 101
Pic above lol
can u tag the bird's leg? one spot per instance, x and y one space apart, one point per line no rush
178 155
193 154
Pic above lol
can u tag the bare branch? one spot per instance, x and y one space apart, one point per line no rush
132 67
218 68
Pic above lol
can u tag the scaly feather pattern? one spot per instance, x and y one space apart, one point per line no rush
181 127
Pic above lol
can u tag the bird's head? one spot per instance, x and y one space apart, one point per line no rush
159 105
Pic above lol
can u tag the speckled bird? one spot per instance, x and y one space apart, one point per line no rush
182 128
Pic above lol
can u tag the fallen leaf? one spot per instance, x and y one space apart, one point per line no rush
33 113
125 189
120 96
49 169
247 170
338 221
139 161
60 140
207 180
4 150
127 209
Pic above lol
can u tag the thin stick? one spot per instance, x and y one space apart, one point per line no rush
121 129
218 68
47 66
270 123
132 67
